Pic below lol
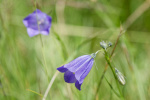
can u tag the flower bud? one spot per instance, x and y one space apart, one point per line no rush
109 44
120 77
105 45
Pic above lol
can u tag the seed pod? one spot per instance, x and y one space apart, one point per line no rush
120 77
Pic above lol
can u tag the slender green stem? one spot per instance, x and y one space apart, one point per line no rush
111 87
50 85
113 70
106 66
64 50
98 51
35 92
45 64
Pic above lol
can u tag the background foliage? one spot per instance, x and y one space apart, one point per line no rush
77 28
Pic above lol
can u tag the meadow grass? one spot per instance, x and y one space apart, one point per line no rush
77 28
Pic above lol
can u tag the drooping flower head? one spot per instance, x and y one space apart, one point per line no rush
76 70
37 23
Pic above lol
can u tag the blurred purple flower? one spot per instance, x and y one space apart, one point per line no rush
37 23
76 70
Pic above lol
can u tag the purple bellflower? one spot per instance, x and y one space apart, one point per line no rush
76 70
37 23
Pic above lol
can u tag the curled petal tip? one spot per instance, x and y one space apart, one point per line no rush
62 69
78 86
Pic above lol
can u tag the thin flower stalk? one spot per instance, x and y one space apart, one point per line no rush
111 87
50 85
45 64
106 66
113 70
42 44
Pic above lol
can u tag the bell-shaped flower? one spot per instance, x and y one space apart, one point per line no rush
37 23
76 70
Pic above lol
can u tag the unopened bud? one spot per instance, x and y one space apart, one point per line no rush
120 77
105 45
109 44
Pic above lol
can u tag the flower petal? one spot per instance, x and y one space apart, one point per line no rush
73 65
25 22
77 85
46 32
49 19
69 77
37 22
31 21
62 69
37 11
32 32
28 17
83 71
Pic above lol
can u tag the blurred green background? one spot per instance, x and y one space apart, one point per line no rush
77 28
